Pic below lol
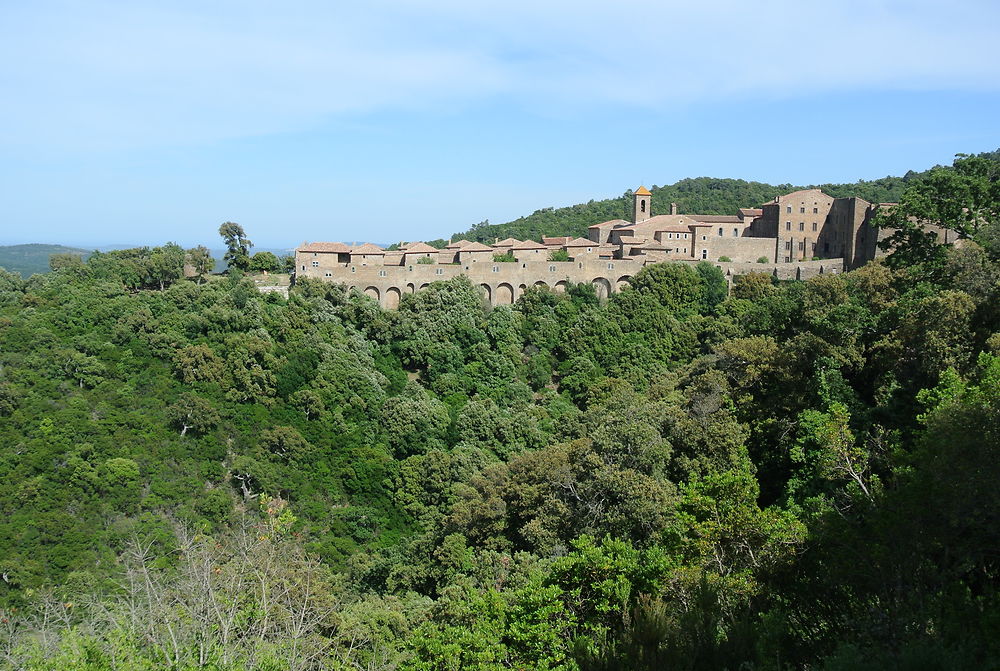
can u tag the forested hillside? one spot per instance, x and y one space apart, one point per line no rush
194 475
34 258
702 195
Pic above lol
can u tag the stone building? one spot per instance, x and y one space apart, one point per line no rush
797 235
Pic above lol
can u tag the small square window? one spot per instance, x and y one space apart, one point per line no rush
552 269
315 264
788 209
802 210
815 210
438 271
611 266
328 274
381 273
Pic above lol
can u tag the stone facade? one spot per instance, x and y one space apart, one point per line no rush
782 238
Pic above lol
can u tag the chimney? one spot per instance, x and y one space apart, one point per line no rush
673 208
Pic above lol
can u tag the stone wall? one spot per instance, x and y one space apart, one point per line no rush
502 283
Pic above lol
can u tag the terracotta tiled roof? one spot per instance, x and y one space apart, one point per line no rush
580 242
609 224
631 240
475 247
751 211
420 248
717 218
457 244
509 242
333 247
642 191
560 240
529 244
367 248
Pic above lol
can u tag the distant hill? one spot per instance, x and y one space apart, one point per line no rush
699 195
33 258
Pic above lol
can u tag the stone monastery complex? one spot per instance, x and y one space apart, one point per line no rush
795 236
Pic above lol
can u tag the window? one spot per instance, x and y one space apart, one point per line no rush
704 237
590 249
802 246
303 267
328 274
353 269
315 254
814 246
552 269
381 273
670 235
802 210
642 205
685 236
496 269
439 271
815 210
788 259
736 232
788 225
704 253
802 225
611 266
814 226
720 232
788 209
788 244
315 264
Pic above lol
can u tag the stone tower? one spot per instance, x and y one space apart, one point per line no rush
641 201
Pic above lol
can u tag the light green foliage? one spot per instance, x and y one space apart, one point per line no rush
264 262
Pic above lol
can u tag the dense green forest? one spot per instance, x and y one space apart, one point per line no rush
702 195
194 475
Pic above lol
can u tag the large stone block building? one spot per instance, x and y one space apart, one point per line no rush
794 236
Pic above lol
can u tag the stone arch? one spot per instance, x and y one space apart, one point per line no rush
561 286
541 283
411 288
372 292
602 287
504 294
489 292
424 286
392 296
622 282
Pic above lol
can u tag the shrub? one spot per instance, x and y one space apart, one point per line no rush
425 260
504 258
559 255
761 259
725 259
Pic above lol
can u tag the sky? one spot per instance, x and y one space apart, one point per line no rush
146 122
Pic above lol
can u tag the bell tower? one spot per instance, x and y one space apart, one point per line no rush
641 200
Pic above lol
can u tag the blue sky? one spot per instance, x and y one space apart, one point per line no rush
140 122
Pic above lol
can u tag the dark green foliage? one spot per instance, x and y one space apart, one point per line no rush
796 475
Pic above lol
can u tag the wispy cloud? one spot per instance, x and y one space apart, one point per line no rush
134 74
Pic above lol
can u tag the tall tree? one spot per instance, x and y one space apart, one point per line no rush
237 245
